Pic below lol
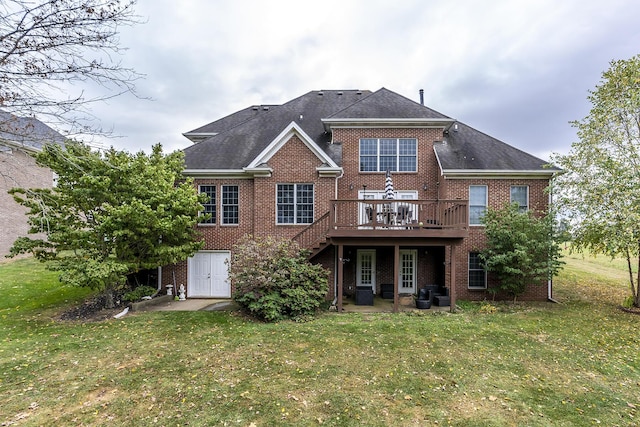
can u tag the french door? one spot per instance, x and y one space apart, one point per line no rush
366 268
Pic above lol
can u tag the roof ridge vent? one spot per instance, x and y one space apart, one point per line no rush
255 108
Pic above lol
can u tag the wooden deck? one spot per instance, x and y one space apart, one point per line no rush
388 222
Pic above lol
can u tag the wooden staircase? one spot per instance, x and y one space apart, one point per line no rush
314 237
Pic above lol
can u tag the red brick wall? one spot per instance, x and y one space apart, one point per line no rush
428 172
294 163
498 192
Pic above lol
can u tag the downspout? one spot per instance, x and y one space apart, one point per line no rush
335 264
550 281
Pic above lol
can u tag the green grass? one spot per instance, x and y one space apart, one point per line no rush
568 364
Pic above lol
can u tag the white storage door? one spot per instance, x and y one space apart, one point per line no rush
208 275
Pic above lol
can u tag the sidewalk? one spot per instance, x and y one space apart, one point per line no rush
167 303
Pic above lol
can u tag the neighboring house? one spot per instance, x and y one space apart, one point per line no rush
20 137
314 170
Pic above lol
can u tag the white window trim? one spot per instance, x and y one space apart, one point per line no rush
486 203
213 217
378 170
295 204
528 192
222 205
475 288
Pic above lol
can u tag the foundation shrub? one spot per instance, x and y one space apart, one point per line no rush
273 280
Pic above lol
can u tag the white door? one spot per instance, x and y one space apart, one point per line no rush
366 269
407 279
208 275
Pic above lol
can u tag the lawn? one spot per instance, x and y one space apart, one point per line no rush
574 363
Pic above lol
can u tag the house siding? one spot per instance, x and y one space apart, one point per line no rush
295 163
17 169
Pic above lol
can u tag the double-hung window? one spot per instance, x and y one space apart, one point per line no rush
393 154
230 204
477 273
520 195
209 205
477 203
294 204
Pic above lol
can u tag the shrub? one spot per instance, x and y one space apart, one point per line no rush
273 280
138 293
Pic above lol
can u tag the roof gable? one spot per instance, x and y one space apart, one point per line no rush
283 138
238 146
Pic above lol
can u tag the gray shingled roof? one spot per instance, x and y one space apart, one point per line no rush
385 104
237 147
27 132
466 148
242 136
231 120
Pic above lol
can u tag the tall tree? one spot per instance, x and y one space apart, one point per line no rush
522 248
599 191
52 51
110 215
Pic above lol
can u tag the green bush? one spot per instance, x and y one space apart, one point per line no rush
138 293
273 280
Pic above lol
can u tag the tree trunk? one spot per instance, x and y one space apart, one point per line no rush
634 289
108 299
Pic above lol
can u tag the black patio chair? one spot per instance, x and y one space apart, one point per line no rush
425 299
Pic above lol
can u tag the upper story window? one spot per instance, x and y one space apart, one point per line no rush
230 204
294 204
520 195
393 154
477 203
210 205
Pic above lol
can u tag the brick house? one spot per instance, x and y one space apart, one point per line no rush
19 138
314 170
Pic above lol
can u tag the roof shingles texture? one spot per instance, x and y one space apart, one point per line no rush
242 136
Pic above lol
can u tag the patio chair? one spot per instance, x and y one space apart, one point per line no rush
364 295
386 290
404 214
424 300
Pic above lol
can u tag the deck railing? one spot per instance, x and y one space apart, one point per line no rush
398 214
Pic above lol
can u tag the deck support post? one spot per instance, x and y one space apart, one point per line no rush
340 276
396 277
452 291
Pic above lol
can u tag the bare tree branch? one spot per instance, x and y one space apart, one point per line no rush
47 44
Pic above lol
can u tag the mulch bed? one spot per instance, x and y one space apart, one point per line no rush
92 310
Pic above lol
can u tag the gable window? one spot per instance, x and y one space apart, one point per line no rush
520 195
209 205
393 154
230 204
294 203
477 274
477 203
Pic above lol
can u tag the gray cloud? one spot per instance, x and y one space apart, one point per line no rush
519 71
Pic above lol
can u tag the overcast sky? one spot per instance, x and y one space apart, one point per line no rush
516 70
